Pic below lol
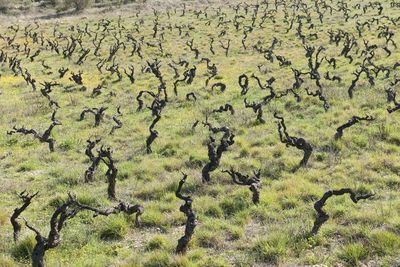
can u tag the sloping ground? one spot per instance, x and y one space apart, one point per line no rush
231 229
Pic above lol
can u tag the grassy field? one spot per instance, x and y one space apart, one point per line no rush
231 230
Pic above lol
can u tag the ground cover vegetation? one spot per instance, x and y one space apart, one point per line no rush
253 133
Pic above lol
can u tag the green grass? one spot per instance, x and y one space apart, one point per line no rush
115 228
22 250
157 242
271 250
353 254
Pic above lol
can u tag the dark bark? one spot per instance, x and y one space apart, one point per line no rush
90 172
226 47
46 90
63 213
77 78
97 112
26 199
220 86
212 70
391 96
227 107
257 108
298 142
130 74
254 183
121 207
191 95
106 157
244 84
351 122
195 50
117 121
322 98
322 216
140 101
188 77
154 67
153 134
43 138
97 90
191 222
215 151
83 56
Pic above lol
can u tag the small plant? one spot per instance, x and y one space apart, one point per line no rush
157 242
158 258
352 254
209 239
22 251
214 211
235 204
385 243
271 250
115 228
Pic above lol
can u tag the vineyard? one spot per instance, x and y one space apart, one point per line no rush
201 133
